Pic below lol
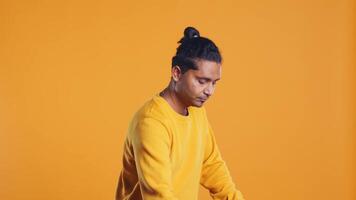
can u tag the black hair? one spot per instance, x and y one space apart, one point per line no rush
192 48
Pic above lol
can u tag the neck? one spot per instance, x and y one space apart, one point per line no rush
173 100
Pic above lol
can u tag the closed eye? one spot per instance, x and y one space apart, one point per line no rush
201 81
205 80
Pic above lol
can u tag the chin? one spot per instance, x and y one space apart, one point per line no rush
197 104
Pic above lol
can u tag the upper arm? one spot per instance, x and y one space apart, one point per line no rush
151 146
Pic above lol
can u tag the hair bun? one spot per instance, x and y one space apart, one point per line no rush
189 33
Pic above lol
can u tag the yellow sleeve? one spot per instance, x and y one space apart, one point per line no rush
215 175
151 145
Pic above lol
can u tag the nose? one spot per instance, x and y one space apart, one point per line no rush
209 90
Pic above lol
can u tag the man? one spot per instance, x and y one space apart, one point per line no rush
170 147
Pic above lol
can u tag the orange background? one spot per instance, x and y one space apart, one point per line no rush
72 73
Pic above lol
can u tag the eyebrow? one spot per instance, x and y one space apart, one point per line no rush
207 79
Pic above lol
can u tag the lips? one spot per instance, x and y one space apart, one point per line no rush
201 99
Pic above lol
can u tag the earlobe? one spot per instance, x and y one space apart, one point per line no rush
176 72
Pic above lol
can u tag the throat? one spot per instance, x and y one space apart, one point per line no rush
174 102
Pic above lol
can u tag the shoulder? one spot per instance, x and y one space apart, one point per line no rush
151 110
149 116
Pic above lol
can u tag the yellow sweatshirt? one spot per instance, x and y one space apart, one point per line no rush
167 155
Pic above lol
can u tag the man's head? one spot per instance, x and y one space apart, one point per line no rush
196 68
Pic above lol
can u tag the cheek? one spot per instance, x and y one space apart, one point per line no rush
196 88
190 88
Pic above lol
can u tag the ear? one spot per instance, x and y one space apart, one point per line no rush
176 73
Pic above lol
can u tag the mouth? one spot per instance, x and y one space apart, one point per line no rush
202 100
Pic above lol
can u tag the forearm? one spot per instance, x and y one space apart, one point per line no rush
215 175
217 179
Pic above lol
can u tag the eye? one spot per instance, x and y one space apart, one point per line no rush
201 81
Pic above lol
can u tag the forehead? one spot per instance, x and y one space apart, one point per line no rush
207 69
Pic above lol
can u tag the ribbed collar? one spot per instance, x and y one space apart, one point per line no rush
168 107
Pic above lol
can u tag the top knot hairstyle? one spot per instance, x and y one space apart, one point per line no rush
192 48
